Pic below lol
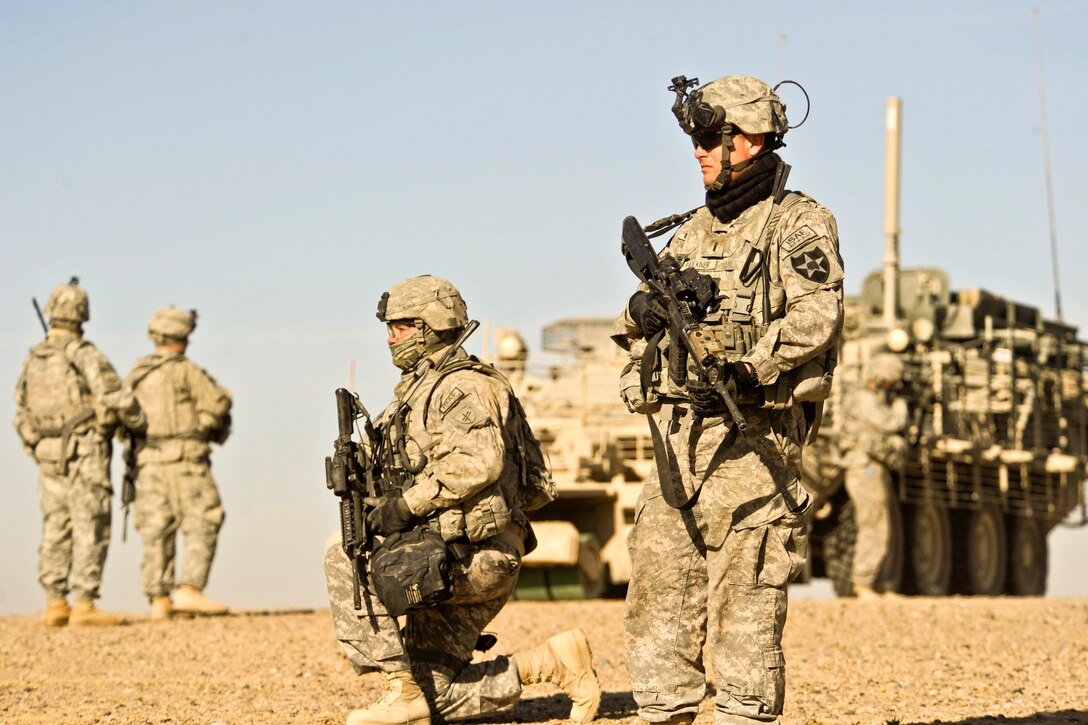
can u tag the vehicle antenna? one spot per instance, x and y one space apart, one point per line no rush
1046 163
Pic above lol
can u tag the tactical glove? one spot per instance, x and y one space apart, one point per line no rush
745 376
390 514
740 378
649 313
705 400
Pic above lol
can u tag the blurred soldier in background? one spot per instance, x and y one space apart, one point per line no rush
186 412
452 456
873 417
68 402
721 526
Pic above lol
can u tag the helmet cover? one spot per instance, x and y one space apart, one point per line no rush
68 302
171 324
746 103
433 300
430 303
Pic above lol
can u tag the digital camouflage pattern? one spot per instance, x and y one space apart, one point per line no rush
717 574
171 324
68 302
433 306
870 443
68 400
465 491
749 104
175 490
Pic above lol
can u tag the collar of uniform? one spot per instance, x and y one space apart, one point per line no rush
408 378
61 335
168 353
748 225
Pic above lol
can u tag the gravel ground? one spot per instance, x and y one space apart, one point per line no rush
903 660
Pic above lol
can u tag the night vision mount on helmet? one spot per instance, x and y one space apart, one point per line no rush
714 113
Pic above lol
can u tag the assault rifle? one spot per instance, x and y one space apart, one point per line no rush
133 444
41 317
359 475
351 476
683 293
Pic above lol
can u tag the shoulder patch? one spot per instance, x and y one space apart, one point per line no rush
466 414
817 262
452 398
798 237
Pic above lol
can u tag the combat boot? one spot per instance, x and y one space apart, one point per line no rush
161 607
566 661
401 703
190 600
57 612
85 613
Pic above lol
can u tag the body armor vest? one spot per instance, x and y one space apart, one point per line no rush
57 394
166 399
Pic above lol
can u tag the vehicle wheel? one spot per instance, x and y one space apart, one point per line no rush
1027 557
891 577
929 547
839 550
980 552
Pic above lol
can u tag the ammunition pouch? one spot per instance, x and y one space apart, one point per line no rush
410 570
739 337
812 381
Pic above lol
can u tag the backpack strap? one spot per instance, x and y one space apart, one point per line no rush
135 380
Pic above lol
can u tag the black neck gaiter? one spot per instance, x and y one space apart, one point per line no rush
751 187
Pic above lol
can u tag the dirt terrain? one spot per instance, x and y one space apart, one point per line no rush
902 660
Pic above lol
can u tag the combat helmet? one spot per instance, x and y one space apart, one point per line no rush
436 309
68 303
715 112
885 368
171 325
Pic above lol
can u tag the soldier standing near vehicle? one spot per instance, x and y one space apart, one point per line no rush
720 528
68 401
452 448
873 416
186 412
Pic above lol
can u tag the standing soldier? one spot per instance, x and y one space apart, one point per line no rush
720 529
186 413
457 467
872 419
68 401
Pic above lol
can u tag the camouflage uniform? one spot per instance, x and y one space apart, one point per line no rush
460 492
717 571
460 427
186 411
870 444
68 400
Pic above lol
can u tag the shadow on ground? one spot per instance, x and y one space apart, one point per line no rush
614 706
1060 716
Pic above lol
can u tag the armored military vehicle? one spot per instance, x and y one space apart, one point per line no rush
599 455
997 441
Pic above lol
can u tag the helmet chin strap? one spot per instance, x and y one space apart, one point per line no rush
728 168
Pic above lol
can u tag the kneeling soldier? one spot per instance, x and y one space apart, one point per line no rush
455 460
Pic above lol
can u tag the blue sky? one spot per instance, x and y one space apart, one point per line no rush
278 165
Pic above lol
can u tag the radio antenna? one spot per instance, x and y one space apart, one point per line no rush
1046 164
